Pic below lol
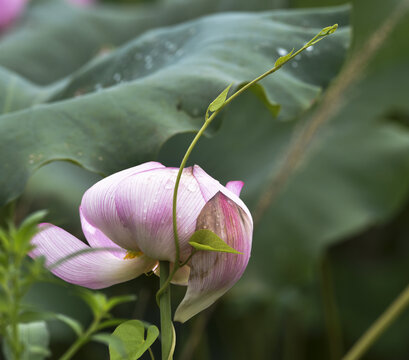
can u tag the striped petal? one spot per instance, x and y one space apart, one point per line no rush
98 206
213 273
235 187
144 204
93 269
209 187
97 239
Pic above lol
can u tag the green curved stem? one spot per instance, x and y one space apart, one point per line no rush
209 119
166 327
81 341
379 326
330 308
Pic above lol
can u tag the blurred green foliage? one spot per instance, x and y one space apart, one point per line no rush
347 201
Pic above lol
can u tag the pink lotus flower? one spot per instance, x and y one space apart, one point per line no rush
130 213
10 10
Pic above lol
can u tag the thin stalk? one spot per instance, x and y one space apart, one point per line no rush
379 326
165 313
151 354
72 350
207 122
14 303
331 315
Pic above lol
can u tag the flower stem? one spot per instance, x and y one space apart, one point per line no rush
72 350
379 327
207 122
331 316
165 313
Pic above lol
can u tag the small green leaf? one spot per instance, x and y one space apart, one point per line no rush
29 316
110 323
323 33
72 323
132 334
283 59
208 241
96 301
217 103
119 300
113 342
35 339
328 30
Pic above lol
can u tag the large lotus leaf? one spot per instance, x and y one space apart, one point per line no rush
54 38
118 110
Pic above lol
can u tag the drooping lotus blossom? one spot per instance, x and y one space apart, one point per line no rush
10 11
130 213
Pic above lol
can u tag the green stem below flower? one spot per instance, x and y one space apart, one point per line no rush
165 313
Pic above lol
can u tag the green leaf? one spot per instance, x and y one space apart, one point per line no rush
95 300
114 301
113 342
35 339
36 315
132 334
323 33
217 103
175 71
27 229
110 323
282 59
72 323
207 240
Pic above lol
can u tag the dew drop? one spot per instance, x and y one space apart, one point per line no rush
148 62
98 87
281 51
192 187
170 46
169 185
117 77
311 48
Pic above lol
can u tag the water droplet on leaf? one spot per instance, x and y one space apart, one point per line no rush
281 51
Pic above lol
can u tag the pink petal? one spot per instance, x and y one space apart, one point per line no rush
98 206
144 203
97 238
94 270
10 10
212 274
235 187
209 187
